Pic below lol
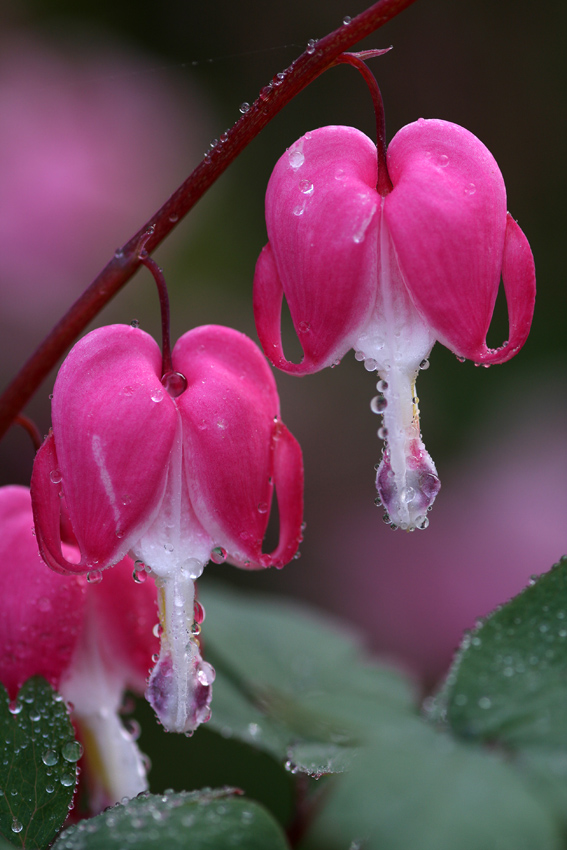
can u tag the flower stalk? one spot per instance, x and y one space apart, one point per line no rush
126 260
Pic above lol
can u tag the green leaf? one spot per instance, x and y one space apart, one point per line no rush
38 756
415 788
319 759
509 681
288 677
199 820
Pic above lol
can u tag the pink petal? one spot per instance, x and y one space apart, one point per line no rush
114 426
42 613
321 216
447 218
125 613
230 414
288 481
518 276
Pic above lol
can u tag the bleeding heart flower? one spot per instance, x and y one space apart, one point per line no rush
389 274
177 470
90 641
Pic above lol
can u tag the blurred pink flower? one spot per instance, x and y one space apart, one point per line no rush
90 146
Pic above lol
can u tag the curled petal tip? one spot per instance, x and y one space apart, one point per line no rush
181 709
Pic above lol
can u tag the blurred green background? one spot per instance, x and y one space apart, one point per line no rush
497 435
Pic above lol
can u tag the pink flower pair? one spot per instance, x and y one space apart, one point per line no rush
388 275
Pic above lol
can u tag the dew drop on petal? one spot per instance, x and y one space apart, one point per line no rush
263 508
296 158
94 577
346 20
55 476
218 555
157 395
198 612
174 383
370 365
378 404
244 107
306 187
311 46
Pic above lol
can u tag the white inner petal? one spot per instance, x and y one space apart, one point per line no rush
394 342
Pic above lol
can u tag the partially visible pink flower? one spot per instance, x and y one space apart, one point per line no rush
388 275
176 470
90 641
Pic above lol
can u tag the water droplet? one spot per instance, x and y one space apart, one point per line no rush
157 395
485 702
173 218
55 476
306 187
311 44
168 547
378 404
119 253
44 604
16 825
442 160
139 576
346 20
244 107
296 158
424 364
263 508
157 630
304 327
461 359
382 433
359 355
370 365
174 383
298 210
135 323
206 673
254 729
72 751
94 577
422 522
470 189
218 555
50 788
198 612
67 780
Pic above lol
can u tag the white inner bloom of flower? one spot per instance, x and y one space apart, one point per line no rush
176 548
394 342
115 764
